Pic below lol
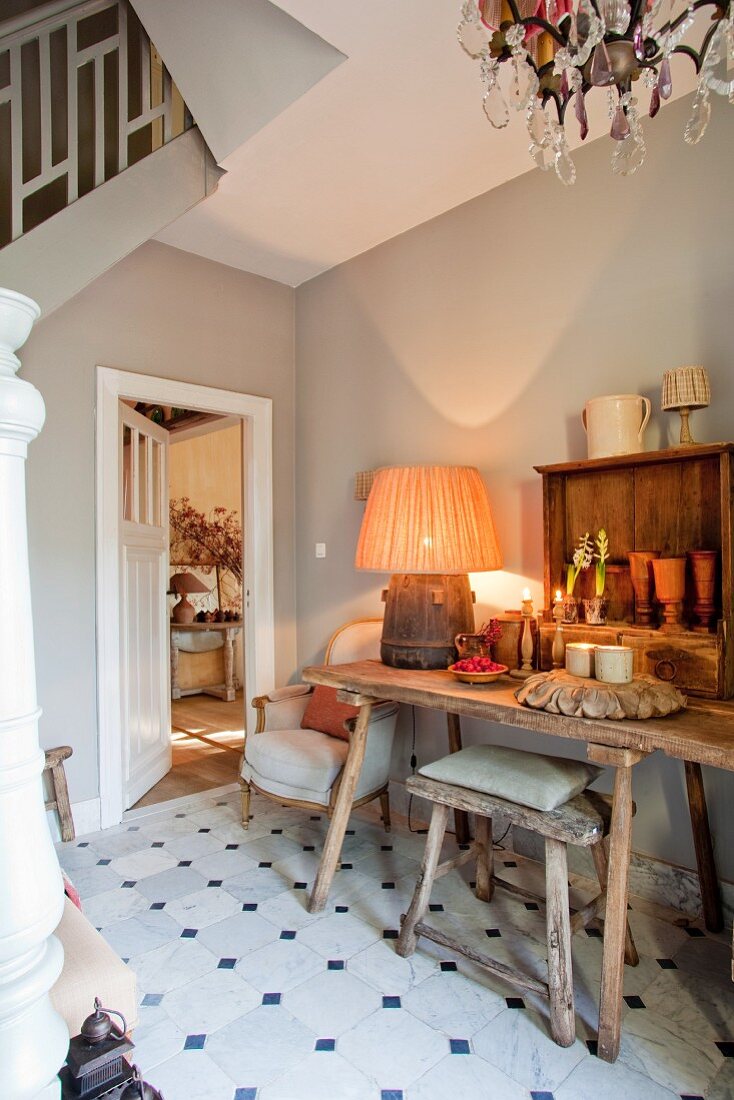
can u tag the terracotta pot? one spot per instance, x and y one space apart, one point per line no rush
670 588
703 573
643 582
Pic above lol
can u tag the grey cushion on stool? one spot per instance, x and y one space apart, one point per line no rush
528 778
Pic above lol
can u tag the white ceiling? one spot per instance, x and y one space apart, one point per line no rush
393 136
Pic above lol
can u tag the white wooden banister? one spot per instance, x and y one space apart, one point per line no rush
33 1037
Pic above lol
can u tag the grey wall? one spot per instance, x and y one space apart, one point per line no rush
161 312
477 338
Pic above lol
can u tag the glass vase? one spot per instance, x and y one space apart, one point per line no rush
595 610
570 607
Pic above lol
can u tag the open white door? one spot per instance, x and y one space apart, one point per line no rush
144 645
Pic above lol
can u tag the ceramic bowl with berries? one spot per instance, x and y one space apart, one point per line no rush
477 670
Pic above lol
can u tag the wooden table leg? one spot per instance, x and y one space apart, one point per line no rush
709 883
229 692
615 923
461 818
342 810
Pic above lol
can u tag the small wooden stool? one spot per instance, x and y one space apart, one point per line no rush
60 802
584 820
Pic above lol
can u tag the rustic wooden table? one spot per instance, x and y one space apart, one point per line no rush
703 734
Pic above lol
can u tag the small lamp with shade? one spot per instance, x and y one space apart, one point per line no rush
183 585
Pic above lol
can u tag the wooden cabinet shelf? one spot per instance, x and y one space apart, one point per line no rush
673 501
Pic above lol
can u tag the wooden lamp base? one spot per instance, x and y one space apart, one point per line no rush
423 614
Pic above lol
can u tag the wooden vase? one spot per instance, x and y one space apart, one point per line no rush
703 573
643 582
670 588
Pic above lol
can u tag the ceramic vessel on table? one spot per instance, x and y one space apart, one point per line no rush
477 677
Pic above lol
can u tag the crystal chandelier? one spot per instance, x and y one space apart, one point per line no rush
558 50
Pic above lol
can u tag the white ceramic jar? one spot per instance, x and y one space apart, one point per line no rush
613 664
615 424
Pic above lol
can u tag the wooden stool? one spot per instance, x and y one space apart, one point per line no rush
584 820
60 802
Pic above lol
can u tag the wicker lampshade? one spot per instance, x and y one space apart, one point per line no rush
686 388
428 519
429 526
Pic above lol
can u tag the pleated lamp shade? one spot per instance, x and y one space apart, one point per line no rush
686 388
428 519
429 526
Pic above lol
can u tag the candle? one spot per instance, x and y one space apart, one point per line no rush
559 597
580 659
614 663
526 594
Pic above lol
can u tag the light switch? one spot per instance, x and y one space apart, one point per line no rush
320 549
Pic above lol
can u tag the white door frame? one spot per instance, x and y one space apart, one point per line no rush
259 618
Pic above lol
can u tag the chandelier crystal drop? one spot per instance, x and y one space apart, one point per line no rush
560 50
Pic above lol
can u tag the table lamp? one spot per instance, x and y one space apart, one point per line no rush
686 388
429 526
183 584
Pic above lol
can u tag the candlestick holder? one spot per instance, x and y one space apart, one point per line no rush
643 582
670 587
526 644
703 572
558 652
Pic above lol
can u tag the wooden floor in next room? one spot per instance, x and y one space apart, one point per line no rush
207 737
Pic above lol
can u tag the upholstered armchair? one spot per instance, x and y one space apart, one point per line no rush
296 765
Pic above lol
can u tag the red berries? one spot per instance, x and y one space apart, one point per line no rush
478 664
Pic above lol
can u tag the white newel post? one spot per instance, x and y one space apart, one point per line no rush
33 1037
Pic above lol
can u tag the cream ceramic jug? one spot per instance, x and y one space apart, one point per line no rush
615 424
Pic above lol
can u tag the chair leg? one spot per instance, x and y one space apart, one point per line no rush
599 855
485 857
245 798
407 940
63 805
385 807
558 924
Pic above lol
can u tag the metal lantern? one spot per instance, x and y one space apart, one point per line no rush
138 1089
96 1061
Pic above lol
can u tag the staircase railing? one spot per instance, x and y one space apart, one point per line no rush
83 95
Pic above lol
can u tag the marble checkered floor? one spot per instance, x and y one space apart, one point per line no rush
244 995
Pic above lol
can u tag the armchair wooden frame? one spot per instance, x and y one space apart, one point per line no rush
296 691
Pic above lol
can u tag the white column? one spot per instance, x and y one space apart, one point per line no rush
33 1037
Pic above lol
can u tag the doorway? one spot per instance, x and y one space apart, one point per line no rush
257 623
205 605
